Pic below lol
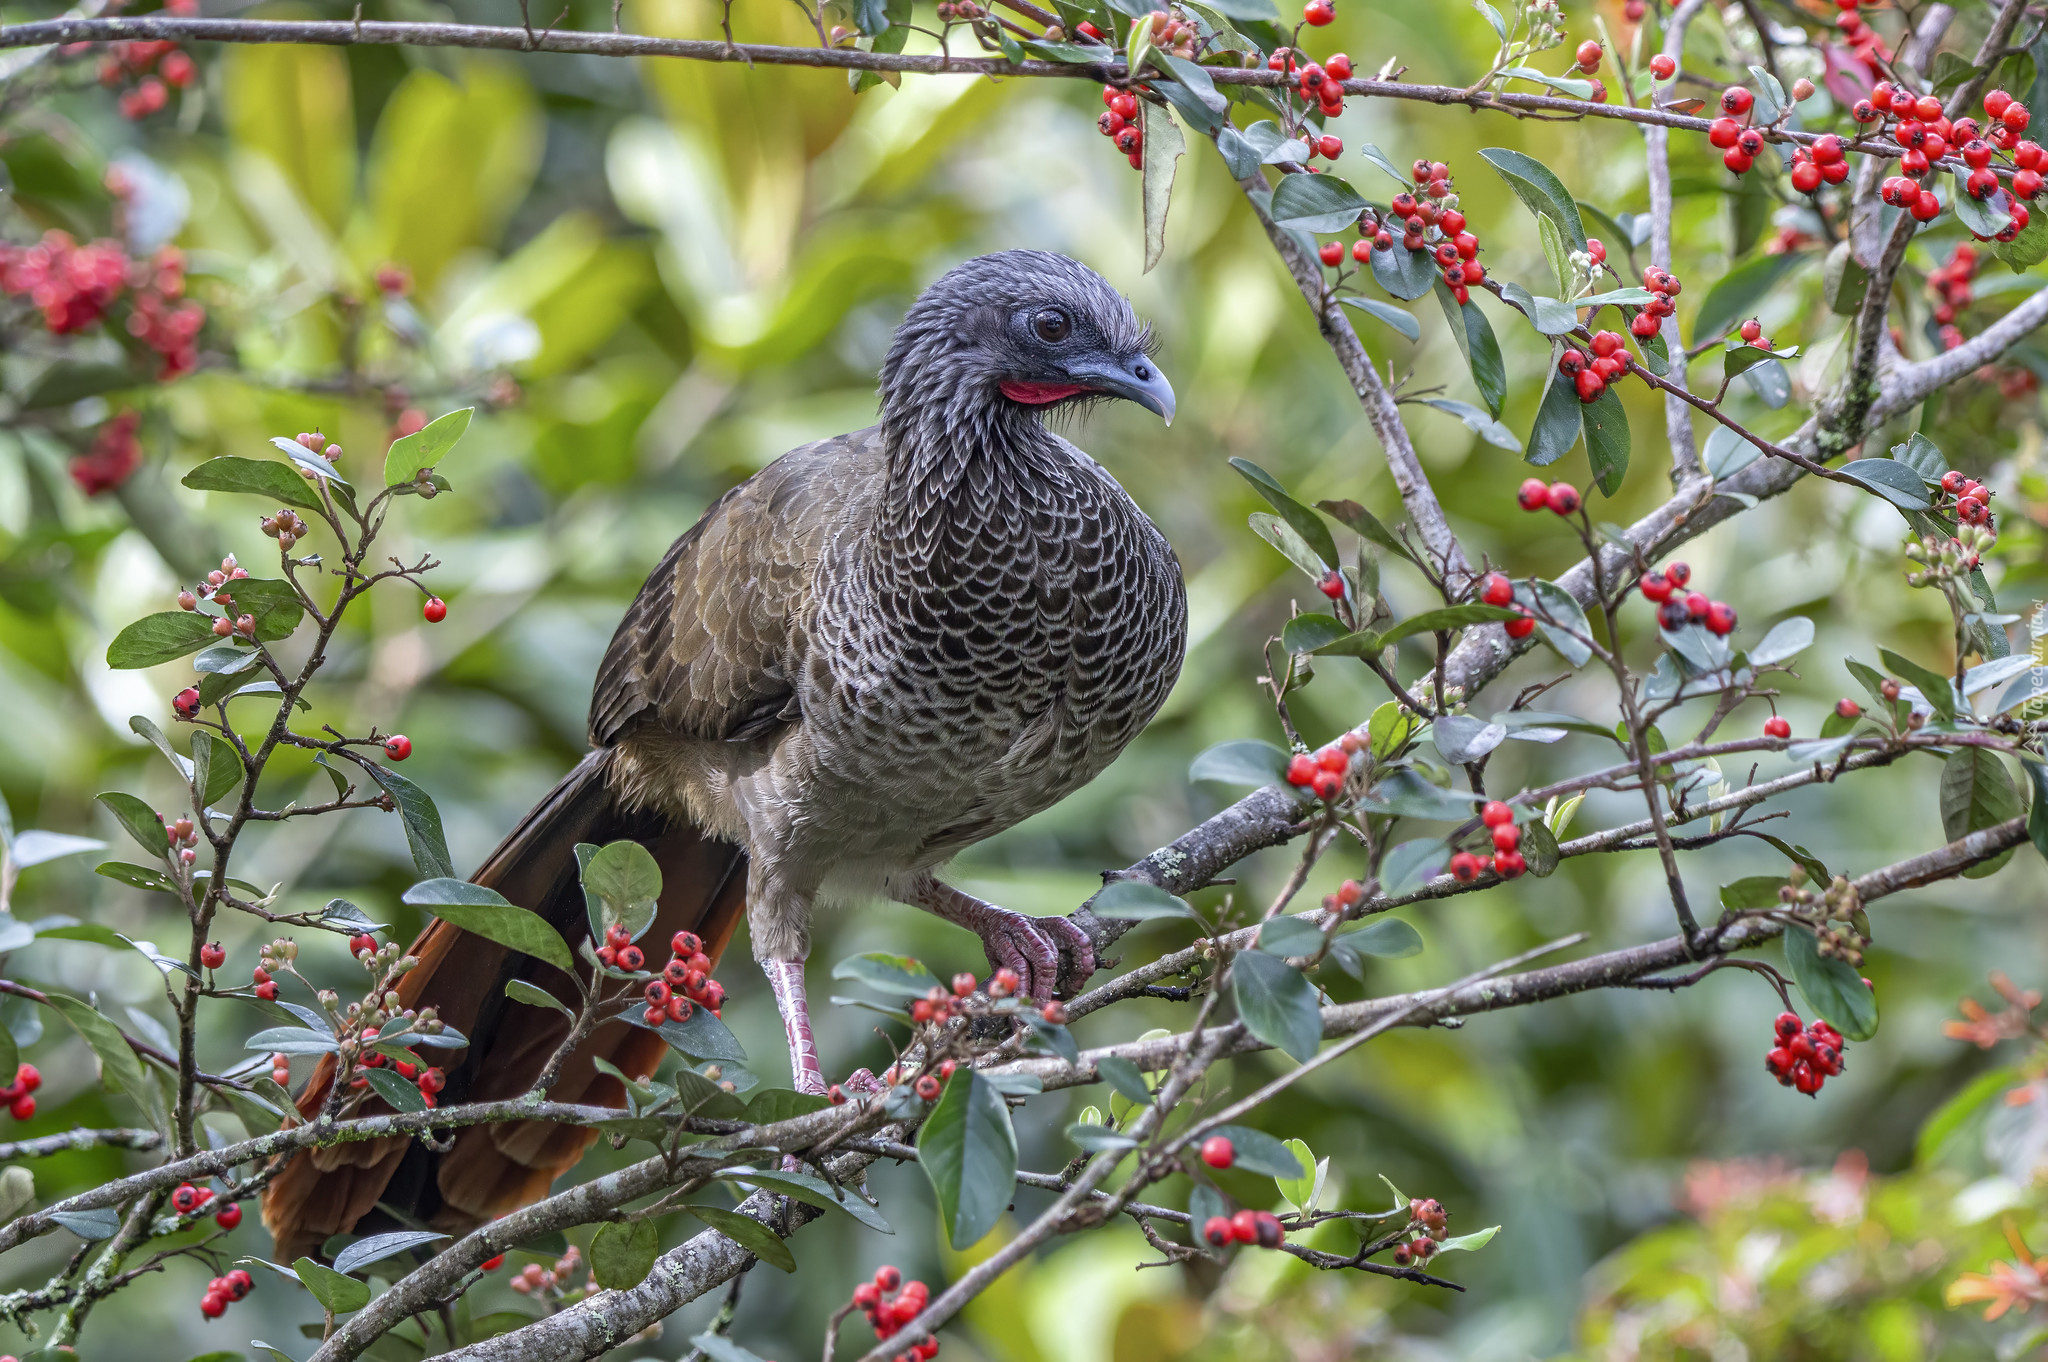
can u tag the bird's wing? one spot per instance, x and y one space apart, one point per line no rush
709 647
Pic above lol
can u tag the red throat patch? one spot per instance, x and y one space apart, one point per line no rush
1041 394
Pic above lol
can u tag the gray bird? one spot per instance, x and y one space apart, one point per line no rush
880 649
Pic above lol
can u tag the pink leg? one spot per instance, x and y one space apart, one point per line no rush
1032 946
786 978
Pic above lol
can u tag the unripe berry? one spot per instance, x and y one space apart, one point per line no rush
1848 709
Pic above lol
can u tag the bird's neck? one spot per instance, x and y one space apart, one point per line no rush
966 468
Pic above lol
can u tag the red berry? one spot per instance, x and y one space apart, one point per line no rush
493 1264
1562 498
435 610
1663 67
1267 1229
1996 102
1521 627
1496 589
212 956
1655 586
632 959
240 1283
1302 769
228 1217
1495 814
1806 177
1722 132
1589 384
1506 837
2015 117
185 704
1777 726
24 1106
28 1078
267 990
1720 618
888 1278
1863 111
1738 161
1328 785
1332 252
1679 573
398 747
1848 709
1216 1229
185 1199
1509 864
213 1305
928 1087
1318 12
2026 183
1926 108
1736 100
1332 584
1589 55
1244 1227
1464 867
1218 1151
1338 66
1533 494
1329 146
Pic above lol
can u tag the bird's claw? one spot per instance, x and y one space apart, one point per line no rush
1052 956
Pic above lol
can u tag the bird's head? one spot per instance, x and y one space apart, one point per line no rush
1026 330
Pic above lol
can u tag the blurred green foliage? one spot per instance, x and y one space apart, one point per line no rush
656 277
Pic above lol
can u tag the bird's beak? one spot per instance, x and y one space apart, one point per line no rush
1137 379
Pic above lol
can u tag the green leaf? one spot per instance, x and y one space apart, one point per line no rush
1292 546
120 1070
1923 456
1246 761
156 639
1540 191
1365 525
137 876
292 1040
1936 689
401 1095
625 883
1164 146
1289 936
1844 281
68 381
1478 422
1893 481
1539 848
339 1294
141 821
1139 901
2037 817
1985 217
701 1037
216 767
1307 633
1554 251
1389 729
1301 1192
519 991
1753 891
622 1252
1833 990
265 478
274 604
91 1225
749 1233
1304 522
1558 419
486 913
770 1105
1257 1152
1478 1239
812 1191
969 1151
1097 1138
422 823
33 846
1316 203
1740 291
1563 607
1786 640
1400 318
1127 1078
897 974
1476 341
1405 274
1463 738
2029 248
1276 1003
1446 617
377 1247
1607 440
1977 792
719 1348
426 447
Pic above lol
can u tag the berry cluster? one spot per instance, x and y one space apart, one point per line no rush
1949 560
1806 1056
1927 135
222 1292
1318 85
286 528
1427 218
685 981
1823 162
1677 606
1864 42
1609 361
1949 285
74 286
1428 1221
1119 123
281 1069
1506 836
535 1280
1536 495
215 589
1260 1228
1663 285
20 1094
275 957
1496 589
1973 498
1325 771
428 1079
936 1006
148 70
889 1302
114 456
182 836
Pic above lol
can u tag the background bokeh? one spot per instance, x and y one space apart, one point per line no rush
658 276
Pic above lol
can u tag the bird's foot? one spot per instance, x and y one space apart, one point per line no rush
1050 955
786 980
862 1083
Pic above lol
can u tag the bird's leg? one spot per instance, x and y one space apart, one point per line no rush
786 979
1032 946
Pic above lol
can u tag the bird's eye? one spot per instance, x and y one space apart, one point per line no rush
1051 325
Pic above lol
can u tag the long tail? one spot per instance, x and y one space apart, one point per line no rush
385 1184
